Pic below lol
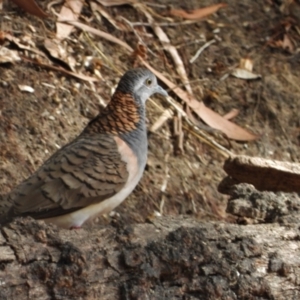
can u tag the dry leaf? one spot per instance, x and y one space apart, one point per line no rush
246 63
216 121
19 42
70 12
98 8
59 69
8 56
100 33
287 44
57 51
232 114
244 74
31 7
116 2
197 14
26 88
139 51
244 71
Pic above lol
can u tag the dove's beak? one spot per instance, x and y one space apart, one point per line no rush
161 91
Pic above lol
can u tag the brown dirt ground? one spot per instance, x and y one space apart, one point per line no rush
33 126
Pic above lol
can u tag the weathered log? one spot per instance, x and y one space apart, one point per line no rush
264 174
169 258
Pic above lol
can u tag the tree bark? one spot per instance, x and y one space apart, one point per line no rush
167 258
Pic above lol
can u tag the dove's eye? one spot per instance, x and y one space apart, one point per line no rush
148 82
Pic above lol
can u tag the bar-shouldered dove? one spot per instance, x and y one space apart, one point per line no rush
97 170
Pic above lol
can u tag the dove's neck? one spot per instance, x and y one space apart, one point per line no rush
124 116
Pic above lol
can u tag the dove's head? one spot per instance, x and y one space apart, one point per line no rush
141 83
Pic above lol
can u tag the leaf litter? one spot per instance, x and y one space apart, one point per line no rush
184 104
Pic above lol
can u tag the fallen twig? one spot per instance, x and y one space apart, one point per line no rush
206 45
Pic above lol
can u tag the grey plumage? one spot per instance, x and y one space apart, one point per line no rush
96 171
